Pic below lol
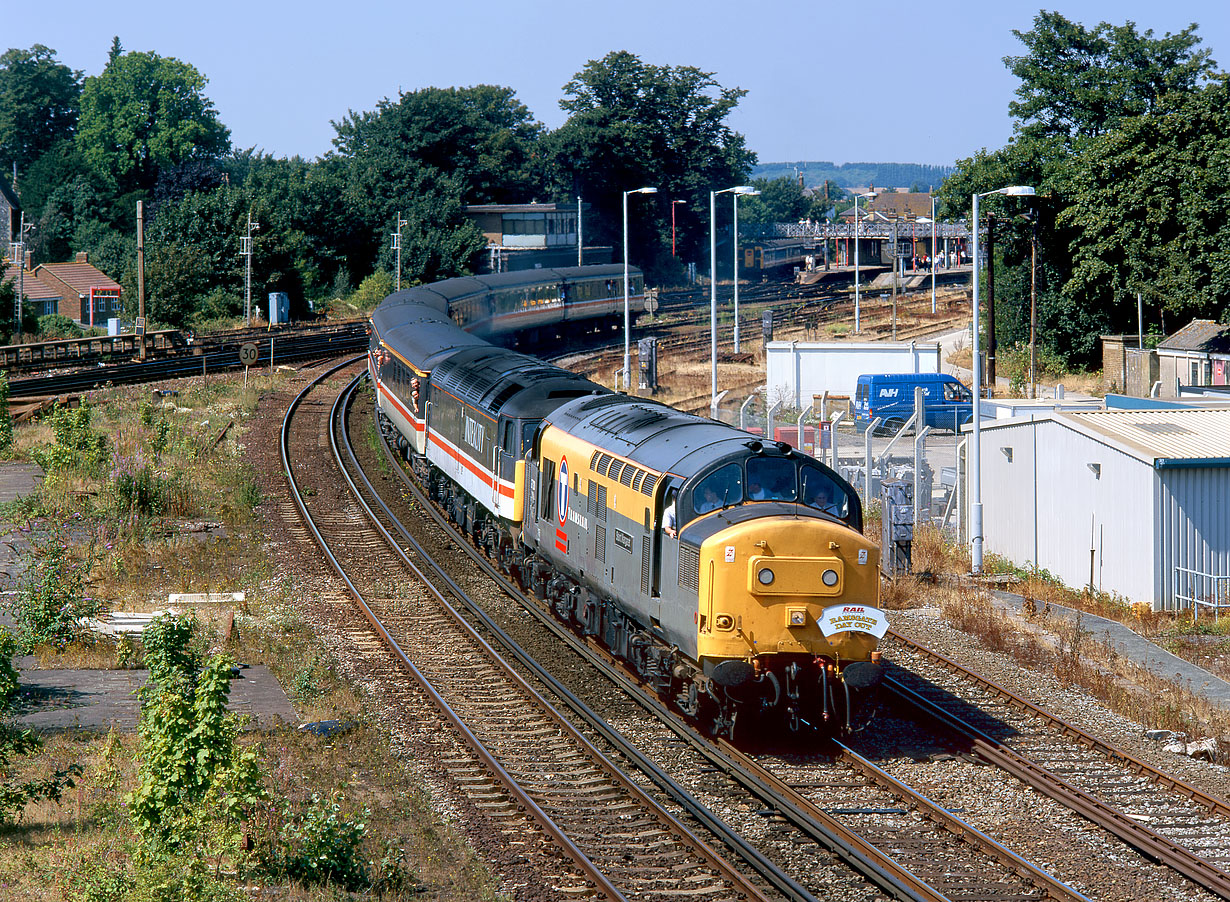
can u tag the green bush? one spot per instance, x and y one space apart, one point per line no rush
51 597
372 290
136 488
56 325
15 794
6 421
8 672
195 785
77 447
323 846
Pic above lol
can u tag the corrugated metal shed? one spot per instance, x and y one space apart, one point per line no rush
1161 438
1132 502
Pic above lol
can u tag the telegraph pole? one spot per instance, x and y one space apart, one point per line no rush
141 277
18 250
401 224
246 251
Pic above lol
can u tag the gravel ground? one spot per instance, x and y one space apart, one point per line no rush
1043 689
1020 818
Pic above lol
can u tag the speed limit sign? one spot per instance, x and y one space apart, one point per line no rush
248 353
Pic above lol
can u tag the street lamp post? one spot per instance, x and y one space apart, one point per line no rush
736 196
975 457
627 314
869 195
737 189
673 223
933 253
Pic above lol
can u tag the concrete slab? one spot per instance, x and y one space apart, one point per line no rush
18 479
101 700
1138 649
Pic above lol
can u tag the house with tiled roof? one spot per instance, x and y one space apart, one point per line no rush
91 297
902 205
41 297
1198 354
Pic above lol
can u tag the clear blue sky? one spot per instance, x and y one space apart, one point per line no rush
864 81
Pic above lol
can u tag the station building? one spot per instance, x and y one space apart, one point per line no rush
533 236
1131 502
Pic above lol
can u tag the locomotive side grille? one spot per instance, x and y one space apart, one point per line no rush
601 493
600 544
604 463
689 568
639 481
593 461
644 565
593 497
628 475
646 487
617 468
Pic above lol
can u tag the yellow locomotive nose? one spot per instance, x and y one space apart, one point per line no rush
766 583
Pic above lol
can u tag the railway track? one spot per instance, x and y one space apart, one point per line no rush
1163 817
518 759
958 860
808 818
217 353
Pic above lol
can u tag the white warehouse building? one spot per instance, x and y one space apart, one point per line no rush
1132 502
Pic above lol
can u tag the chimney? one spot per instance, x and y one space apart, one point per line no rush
82 257
29 260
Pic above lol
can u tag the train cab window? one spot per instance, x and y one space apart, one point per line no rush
822 493
770 479
528 429
506 438
721 488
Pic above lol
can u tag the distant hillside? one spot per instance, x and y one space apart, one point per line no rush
849 175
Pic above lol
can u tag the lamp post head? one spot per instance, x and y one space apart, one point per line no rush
1012 191
744 190
642 191
684 202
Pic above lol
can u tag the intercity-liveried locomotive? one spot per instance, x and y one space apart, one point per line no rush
730 573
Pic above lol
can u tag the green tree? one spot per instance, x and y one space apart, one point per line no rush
196 785
1149 206
177 279
39 102
427 155
635 124
1118 132
144 112
780 200
1078 82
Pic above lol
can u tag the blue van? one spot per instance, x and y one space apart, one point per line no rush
890 396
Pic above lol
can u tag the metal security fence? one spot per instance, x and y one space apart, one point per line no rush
929 460
1197 589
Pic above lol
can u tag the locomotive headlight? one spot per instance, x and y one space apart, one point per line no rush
829 578
765 576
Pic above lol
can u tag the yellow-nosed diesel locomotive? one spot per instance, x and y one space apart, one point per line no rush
730 573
